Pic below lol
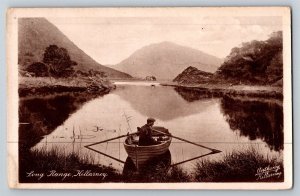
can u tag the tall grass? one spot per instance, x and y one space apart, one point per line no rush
233 167
236 167
177 174
56 158
157 174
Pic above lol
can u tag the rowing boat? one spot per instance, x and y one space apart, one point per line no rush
140 155
159 165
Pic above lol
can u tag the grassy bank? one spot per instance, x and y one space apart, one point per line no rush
216 90
160 174
248 166
234 167
48 85
239 167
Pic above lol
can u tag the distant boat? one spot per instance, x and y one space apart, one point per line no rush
141 154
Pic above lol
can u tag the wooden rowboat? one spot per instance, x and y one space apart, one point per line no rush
159 164
141 154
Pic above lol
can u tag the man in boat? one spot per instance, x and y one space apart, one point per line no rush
145 133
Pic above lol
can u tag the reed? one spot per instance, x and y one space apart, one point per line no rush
177 174
237 167
232 167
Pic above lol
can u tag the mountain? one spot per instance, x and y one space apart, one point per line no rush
35 34
166 60
192 75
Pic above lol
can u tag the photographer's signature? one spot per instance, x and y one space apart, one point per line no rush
268 172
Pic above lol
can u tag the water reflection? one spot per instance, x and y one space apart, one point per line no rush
252 118
39 116
154 170
191 95
71 121
255 119
160 102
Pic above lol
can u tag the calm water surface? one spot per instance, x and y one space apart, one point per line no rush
224 123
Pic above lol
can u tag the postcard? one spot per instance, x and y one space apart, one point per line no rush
149 98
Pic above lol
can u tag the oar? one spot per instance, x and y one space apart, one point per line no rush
105 155
111 139
213 150
193 158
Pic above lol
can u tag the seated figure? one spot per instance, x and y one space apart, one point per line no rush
145 133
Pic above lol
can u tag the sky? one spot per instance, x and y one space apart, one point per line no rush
109 40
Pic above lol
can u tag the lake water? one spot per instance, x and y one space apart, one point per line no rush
70 121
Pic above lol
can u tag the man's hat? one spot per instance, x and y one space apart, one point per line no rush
149 120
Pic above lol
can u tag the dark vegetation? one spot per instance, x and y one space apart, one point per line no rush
233 167
37 69
192 75
46 90
57 63
57 74
237 167
255 62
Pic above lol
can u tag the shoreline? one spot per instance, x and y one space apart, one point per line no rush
46 86
217 90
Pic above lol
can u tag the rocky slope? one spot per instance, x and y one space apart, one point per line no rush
192 75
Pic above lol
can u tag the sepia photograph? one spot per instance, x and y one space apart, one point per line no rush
149 98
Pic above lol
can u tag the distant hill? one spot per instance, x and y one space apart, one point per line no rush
35 34
166 60
192 75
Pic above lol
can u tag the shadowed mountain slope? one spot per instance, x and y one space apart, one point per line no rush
35 34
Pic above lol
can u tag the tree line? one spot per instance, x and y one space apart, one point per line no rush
255 61
58 63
